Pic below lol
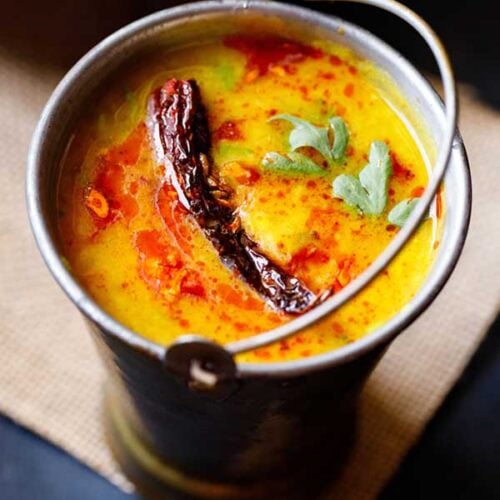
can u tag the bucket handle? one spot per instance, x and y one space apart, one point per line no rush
204 363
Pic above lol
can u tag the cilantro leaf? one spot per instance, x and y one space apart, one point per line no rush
375 176
402 211
293 163
226 75
340 137
368 192
306 134
348 188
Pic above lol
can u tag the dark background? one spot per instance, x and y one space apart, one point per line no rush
458 456
469 29
58 32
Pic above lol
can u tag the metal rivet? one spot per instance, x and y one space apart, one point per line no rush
201 363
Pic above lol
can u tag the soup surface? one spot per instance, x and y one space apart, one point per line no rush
286 123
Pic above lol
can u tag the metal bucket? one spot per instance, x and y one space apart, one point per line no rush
269 430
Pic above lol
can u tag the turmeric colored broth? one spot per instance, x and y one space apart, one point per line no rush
143 259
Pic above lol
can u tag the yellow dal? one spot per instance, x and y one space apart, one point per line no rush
284 214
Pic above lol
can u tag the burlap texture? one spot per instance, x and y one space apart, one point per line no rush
51 379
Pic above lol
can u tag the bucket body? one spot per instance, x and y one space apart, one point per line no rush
276 430
258 437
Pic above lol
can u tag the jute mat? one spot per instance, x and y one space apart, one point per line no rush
50 377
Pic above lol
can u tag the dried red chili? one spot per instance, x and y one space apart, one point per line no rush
179 127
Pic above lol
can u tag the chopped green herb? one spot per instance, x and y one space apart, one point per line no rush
368 192
226 75
402 211
306 134
340 137
228 150
293 163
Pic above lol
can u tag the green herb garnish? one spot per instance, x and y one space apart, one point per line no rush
229 150
340 137
402 211
226 75
293 163
368 193
305 134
